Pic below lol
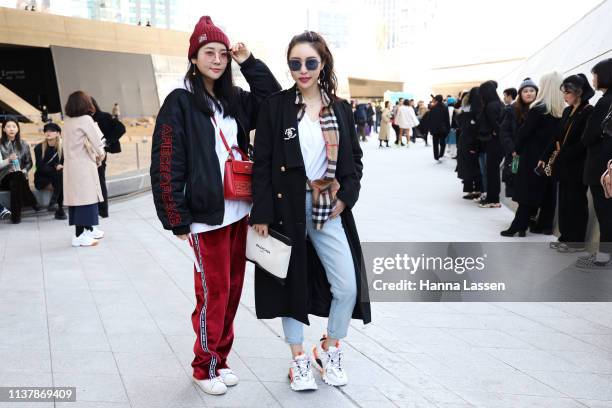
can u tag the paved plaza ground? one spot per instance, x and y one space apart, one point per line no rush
114 321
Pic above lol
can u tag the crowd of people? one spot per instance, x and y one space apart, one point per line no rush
70 163
549 146
544 141
408 121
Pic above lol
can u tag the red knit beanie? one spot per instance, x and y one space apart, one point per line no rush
204 32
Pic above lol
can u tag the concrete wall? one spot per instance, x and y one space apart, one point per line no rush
126 78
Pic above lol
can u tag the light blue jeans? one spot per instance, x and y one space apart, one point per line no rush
335 255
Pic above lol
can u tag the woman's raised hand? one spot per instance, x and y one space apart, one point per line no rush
240 52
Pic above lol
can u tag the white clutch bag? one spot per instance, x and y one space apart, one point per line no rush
272 254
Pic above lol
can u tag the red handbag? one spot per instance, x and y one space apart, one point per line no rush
237 173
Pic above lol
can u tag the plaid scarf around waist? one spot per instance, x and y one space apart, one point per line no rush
324 189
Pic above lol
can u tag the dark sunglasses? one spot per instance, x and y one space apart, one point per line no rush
311 64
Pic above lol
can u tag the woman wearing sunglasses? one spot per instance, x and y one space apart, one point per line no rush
188 157
306 179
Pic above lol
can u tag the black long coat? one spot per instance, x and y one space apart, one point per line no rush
539 129
599 147
45 166
569 164
468 167
112 129
508 130
279 194
438 120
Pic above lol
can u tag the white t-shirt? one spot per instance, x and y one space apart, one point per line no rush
312 145
234 210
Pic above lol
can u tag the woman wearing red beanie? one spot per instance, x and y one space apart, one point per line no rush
306 180
187 161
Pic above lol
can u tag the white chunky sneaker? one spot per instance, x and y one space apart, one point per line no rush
591 262
213 386
228 376
5 214
84 240
300 374
329 364
95 233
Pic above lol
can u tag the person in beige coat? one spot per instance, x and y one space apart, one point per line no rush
83 152
385 123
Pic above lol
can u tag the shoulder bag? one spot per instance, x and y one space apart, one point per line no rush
237 173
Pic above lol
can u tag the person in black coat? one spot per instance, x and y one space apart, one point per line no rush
112 129
533 189
188 156
468 168
361 119
394 124
488 134
513 118
599 152
568 154
293 171
15 163
370 113
438 124
49 168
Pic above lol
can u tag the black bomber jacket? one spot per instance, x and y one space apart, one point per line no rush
185 175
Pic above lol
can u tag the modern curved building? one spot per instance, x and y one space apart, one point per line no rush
575 50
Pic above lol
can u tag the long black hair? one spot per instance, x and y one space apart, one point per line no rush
95 104
488 92
327 78
579 86
225 91
474 100
4 137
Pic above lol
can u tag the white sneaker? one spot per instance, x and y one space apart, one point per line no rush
329 364
228 376
5 214
591 262
300 374
213 386
95 233
84 240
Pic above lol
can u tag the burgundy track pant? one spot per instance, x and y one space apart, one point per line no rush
220 255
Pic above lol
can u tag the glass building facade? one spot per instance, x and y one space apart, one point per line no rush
158 13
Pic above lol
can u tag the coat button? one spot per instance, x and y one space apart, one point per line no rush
283 168
279 195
